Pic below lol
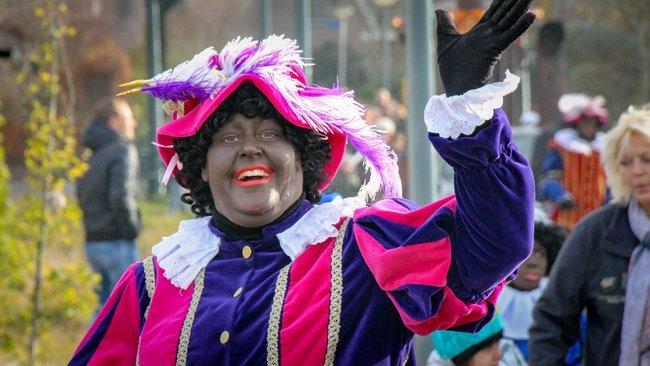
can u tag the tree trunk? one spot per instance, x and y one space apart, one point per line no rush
470 4
644 52
635 15
549 76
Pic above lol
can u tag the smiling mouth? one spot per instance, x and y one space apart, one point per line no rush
532 276
252 176
641 187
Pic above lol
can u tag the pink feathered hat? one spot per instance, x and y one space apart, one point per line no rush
193 90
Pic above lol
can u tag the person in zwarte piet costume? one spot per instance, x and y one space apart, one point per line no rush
573 180
266 276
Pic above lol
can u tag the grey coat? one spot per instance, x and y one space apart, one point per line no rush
107 192
590 273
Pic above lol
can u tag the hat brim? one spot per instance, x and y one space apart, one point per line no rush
189 124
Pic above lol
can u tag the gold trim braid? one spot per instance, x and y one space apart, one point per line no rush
336 296
183 343
149 281
150 286
273 333
334 320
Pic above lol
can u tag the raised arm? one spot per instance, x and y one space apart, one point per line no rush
443 265
493 182
493 223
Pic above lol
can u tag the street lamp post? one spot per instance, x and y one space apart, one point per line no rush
423 165
343 14
526 93
385 37
386 49
155 65
419 74
267 20
303 30
156 10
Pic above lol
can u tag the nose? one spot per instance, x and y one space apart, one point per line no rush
250 149
638 167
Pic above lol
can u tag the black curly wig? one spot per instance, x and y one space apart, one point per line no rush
551 237
313 149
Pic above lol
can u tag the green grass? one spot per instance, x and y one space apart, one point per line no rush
157 222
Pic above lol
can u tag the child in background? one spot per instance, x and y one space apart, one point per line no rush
485 348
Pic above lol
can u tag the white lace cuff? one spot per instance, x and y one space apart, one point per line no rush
183 254
317 225
461 114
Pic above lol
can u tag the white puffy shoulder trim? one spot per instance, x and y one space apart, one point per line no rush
183 254
570 140
317 225
461 114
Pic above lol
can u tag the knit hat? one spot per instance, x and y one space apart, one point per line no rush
193 90
454 345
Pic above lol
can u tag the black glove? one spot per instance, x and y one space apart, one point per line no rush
466 61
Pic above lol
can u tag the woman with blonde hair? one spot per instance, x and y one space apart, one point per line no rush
603 264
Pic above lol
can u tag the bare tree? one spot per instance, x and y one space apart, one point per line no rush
635 16
470 4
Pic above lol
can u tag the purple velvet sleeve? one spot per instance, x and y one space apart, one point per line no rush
493 226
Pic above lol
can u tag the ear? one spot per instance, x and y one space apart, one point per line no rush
111 122
204 174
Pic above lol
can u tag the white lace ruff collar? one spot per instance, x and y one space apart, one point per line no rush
516 309
183 254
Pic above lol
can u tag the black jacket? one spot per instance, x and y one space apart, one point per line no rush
590 272
107 192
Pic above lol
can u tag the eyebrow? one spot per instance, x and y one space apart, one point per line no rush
227 128
234 125
272 121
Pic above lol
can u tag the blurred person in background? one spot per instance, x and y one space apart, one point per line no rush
572 180
396 112
392 135
107 192
397 140
603 266
390 107
484 348
372 114
520 296
352 173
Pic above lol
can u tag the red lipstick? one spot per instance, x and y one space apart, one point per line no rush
252 176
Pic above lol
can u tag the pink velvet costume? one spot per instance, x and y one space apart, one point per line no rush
339 283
